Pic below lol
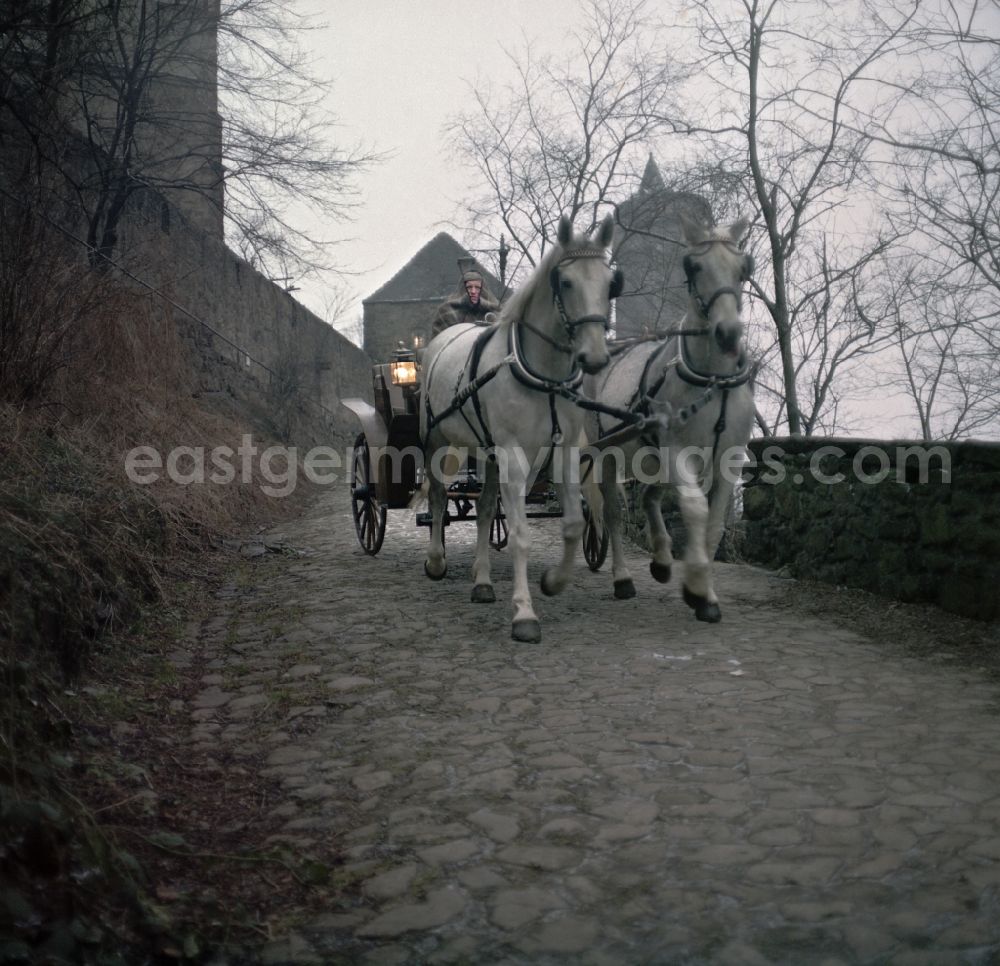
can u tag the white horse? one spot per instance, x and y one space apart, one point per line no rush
507 390
695 390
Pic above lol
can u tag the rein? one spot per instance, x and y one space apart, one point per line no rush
545 337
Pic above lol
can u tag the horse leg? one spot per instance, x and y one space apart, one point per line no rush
719 502
513 489
435 566
659 536
555 579
624 587
482 586
697 588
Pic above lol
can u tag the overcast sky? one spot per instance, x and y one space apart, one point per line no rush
400 69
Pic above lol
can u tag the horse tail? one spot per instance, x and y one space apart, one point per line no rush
418 501
446 468
589 482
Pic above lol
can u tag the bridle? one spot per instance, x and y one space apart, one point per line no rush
684 367
615 289
691 270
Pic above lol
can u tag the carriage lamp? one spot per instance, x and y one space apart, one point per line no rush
404 373
403 369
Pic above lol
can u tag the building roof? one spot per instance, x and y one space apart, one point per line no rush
432 274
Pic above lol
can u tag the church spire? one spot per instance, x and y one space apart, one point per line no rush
652 180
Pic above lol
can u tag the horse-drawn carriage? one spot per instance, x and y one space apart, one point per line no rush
517 390
387 467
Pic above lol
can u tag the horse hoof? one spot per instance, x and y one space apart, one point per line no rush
549 587
432 575
526 631
483 594
624 589
704 609
660 572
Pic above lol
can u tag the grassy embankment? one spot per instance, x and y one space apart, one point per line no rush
98 579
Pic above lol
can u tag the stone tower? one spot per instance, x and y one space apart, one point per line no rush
185 138
647 248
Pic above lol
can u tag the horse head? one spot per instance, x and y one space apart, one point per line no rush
716 268
583 285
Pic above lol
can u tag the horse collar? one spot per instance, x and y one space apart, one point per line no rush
695 377
527 376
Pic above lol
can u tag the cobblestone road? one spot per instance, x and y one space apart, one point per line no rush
638 788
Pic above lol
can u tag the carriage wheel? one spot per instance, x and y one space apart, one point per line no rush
369 514
595 540
498 528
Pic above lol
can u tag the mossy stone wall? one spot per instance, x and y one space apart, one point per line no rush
907 520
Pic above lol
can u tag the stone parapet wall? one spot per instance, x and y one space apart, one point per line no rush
907 520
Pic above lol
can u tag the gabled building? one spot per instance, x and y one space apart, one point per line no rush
648 248
403 308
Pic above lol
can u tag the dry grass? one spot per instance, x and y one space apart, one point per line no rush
83 552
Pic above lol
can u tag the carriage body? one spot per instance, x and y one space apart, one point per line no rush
391 430
387 463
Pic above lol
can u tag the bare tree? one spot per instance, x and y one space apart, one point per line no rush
795 88
571 134
945 180
946 141
947 362
118 97
783 107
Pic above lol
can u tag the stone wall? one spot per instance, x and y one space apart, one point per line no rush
907 520
301 366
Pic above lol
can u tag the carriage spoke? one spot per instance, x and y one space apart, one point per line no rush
369 514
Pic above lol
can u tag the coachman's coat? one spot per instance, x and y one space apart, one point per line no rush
459 309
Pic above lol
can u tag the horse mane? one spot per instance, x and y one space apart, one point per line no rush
712 233
514 308
719 233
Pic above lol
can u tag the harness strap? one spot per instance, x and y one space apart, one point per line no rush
720 428
720 423
561 346
476 382
477 352
557 436
683 415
